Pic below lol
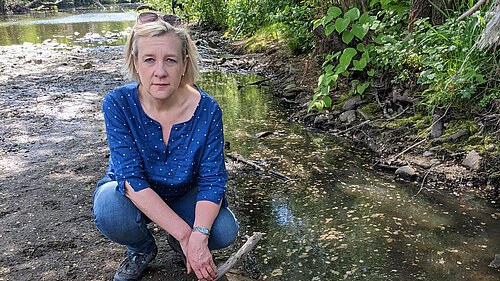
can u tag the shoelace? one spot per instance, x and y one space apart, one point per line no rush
136 259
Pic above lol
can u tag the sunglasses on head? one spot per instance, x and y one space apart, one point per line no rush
152 17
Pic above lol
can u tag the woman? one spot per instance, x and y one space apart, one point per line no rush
166 160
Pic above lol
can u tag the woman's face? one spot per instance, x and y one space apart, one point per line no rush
160 65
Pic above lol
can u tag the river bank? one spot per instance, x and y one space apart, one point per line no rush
464 161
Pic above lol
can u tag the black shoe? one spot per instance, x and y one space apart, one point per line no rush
133 266
176 246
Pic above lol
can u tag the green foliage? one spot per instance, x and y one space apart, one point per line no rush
352 27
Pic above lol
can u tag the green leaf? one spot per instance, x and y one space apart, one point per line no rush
334 12
328 68
319 104
360 47
327 101
359 30
353 14
361 88
321 79
378 39
365 18
346 57
341 24
360 64
327 20
347 36
329 29
317 23
370 72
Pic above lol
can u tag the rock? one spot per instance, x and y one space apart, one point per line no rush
437 127
472 160
348 116
37 61
320 119
495 263
288 103
405 172
491 147
87 65
428 154
364 113
351 103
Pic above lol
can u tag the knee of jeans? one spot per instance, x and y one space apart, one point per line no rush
112 210
224 231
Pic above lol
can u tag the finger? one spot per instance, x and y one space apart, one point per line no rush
213 270
188 266
202 274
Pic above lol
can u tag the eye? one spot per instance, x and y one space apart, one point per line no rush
149 60
171 60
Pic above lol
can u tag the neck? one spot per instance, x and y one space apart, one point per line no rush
154 105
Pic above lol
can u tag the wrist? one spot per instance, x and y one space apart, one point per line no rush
201 229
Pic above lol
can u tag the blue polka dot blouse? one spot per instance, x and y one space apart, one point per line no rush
194 156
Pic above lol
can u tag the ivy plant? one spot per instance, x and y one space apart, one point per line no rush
352 27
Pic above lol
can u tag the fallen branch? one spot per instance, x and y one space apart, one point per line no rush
472 10
234 258
404 151
351 128
239 158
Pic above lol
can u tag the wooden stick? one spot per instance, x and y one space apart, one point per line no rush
472 10
234 258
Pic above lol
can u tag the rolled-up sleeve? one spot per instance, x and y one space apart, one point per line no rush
127 163
212 174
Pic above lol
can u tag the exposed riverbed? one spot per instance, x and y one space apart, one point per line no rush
337 218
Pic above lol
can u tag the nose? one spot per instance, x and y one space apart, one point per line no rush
160 70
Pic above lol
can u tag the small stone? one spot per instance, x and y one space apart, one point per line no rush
472 160
351 103
428 154
348 116
87 65
405 172
495 263
491 147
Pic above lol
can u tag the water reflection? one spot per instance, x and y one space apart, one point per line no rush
90 29
340 220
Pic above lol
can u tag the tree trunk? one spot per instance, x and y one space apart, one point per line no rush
424 9
2 7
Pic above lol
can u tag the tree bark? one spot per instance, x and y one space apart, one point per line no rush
2 7
424 9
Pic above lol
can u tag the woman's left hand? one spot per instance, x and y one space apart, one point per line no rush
199 259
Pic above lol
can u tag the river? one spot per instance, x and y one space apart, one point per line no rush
337 219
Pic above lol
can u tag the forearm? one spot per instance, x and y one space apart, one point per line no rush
153 206
205 213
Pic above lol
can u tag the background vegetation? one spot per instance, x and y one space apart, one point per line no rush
418 43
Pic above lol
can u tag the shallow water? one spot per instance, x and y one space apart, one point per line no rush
88 28
338 219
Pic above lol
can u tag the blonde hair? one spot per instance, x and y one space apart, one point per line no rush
160 28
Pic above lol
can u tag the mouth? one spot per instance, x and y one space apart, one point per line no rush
160 84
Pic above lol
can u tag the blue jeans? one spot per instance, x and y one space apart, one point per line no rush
120 220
